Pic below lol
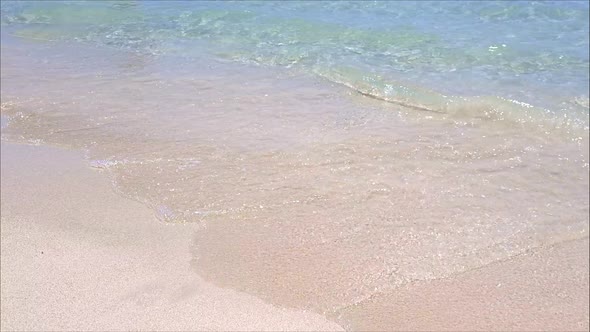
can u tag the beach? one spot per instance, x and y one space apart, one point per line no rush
109 266
309 166
114 266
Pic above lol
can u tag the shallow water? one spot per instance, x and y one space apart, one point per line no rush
330 151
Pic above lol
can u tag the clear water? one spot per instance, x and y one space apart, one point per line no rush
344 148
533 52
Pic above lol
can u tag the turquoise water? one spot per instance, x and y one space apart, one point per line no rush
414 53
345 148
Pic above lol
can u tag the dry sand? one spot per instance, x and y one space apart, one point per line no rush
78 256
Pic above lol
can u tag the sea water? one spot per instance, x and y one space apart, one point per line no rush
329 151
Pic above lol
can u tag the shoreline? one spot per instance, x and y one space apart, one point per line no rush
121 268
318 166
544 289
77 256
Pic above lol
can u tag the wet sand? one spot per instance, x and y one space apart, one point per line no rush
77 256
285 199
543 290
